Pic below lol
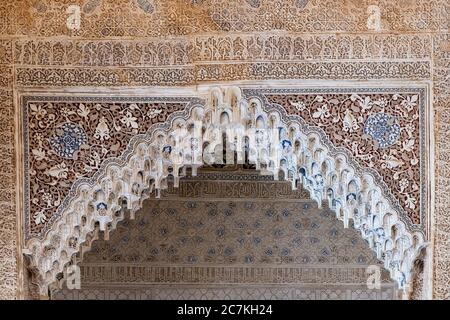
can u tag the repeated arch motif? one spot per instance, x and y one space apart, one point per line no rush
174 150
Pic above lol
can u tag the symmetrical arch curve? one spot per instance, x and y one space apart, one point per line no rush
227 117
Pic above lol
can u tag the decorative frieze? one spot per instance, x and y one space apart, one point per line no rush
114 274
8 218
119 53
214 72
223 48
105 77
291 47
234 189
357 70
195 292
168 18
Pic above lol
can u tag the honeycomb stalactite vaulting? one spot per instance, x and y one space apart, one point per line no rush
301 155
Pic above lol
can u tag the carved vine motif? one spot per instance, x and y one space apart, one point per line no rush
125 18
329 175
109 128
69 141
381 130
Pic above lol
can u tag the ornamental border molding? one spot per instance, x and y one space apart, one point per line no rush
190 103
130 177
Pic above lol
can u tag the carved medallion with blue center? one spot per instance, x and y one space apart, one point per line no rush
383 128
68 139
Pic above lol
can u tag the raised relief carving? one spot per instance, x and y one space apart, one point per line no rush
417 50
374 19
303 158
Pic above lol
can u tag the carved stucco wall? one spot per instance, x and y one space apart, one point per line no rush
251 38
205 240
49 137
102 128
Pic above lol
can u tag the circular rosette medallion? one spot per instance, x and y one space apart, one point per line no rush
68 139
383 128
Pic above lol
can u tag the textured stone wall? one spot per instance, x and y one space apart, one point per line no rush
125 43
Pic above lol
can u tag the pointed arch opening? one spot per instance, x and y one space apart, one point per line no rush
228 129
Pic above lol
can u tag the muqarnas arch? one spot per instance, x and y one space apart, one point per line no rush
300 153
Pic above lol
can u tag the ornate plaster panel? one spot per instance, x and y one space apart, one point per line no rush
441 101
325 170
398 152
126 18
67 139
